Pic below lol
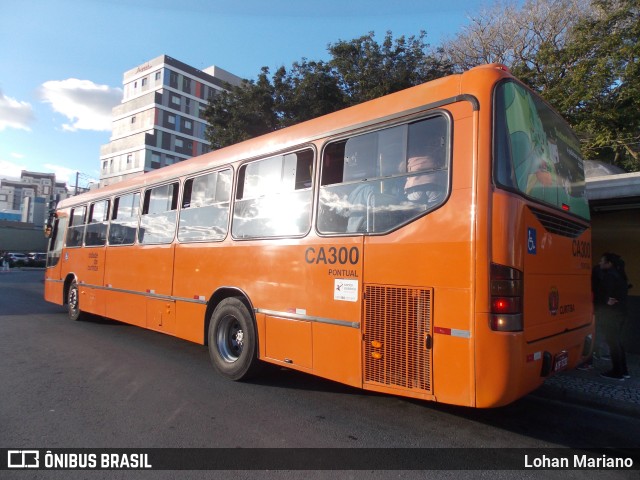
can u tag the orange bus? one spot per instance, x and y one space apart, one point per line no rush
433 243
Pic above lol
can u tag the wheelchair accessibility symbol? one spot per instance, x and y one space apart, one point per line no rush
531 241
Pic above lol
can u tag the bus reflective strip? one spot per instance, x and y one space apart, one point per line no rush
199 297
309 318
453 332
534 357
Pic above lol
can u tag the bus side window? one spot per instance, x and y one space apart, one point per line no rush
205 207
97 224
124 219
75 232
273 197
158 218
378 181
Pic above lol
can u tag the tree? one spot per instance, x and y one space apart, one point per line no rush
367 70
600 93
359 70
241 112
580 55
307 91
511 35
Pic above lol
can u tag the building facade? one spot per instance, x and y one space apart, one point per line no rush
161 118
27 199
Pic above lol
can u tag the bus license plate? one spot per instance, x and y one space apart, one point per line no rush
561 361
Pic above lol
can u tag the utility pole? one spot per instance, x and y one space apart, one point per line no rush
77 175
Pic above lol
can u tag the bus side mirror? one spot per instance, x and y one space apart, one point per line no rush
47 231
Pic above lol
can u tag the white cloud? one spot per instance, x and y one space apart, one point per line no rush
63 174
10 169
87 105
15 114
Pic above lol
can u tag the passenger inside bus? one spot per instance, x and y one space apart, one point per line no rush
428 188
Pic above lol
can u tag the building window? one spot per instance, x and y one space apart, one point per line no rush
144 81
186 84
175 99
187 124
158 75
129 158
172 119
179 143
133 119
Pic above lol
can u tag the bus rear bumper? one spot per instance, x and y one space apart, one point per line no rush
524 366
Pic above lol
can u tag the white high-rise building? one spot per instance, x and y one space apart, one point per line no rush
161 118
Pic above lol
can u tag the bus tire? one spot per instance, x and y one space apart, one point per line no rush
232 340
73 303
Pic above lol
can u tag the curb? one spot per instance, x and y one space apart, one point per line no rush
567 395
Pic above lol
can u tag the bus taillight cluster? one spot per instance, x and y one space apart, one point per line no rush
507 288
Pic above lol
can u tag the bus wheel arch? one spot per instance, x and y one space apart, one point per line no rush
231 334
70 278
72 298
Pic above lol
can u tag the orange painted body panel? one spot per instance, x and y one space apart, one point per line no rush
406 312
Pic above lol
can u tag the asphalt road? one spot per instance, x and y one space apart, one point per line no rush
103 384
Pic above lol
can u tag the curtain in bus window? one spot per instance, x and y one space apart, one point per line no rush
158 219
375 182
205 207
124 219
274 197
544 153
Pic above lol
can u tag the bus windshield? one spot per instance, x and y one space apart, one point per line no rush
536 154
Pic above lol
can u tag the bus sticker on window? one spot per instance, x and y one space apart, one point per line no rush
345 290
531 241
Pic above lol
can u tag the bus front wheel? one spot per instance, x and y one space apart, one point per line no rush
232 340
73 302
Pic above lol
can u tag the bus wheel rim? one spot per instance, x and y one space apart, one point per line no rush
230 339
73 299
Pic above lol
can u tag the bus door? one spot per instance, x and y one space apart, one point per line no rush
140 260
155 255
93 253
54 284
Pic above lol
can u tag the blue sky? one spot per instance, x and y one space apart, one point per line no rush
62 61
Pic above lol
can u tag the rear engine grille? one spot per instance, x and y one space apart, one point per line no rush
559 226
397 323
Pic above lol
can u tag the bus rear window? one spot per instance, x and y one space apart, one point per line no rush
536 153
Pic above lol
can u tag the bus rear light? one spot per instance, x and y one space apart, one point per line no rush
507 288
507 323
503 305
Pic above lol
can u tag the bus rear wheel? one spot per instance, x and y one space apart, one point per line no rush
232 340
73 303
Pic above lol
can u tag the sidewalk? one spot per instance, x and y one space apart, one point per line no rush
587 387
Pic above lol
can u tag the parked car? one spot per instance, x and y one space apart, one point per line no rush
16 259
37 259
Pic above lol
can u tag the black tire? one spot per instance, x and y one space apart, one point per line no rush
73 303
233 340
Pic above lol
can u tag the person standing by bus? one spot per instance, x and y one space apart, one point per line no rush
613 312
